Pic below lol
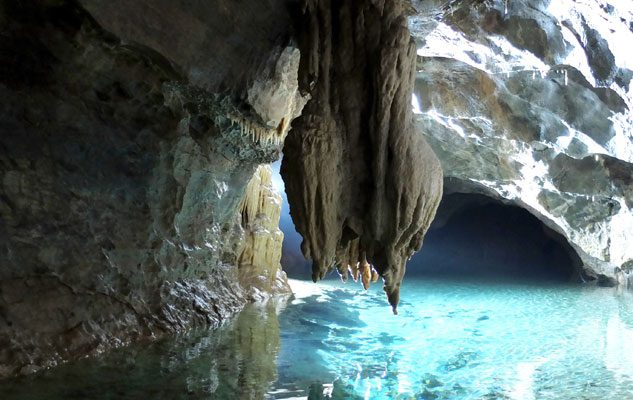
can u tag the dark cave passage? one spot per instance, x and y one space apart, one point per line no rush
476 236
292 261
472 236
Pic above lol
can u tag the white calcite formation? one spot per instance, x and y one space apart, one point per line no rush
530 102
259 262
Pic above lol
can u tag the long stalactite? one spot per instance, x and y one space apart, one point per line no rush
362 184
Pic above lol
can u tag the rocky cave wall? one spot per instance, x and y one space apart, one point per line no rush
132 201
125 203
529 101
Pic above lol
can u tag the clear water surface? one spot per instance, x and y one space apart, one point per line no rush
451 340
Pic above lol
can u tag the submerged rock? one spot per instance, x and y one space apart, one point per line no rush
529 102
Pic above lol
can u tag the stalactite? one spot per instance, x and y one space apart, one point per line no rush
365 272
257 133
357 174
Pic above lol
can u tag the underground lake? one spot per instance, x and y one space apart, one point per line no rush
451 340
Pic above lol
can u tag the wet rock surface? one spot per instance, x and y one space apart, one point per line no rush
199 364
530 102
121 185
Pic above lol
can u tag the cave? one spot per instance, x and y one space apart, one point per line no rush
141 219
476 236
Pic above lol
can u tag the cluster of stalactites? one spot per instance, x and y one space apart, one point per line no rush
257 133
357 131
225 115
353 261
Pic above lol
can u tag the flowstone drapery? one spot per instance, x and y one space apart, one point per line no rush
360 180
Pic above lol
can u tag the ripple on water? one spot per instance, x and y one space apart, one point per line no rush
478 340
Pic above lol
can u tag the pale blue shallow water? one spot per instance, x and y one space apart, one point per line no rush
462 340
451 340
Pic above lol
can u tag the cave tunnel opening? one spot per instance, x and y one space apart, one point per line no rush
476 236
292 261
473 236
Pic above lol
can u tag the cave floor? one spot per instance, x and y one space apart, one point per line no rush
452 340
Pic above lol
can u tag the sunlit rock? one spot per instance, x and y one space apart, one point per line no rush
259 261
275 93
532 105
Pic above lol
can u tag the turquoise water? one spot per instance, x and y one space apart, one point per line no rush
451 340
464 340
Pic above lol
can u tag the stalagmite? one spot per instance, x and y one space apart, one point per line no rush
357 173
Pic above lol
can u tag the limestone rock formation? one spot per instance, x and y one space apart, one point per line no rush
217 45
130 132
260 267
123 166
360 180
529 101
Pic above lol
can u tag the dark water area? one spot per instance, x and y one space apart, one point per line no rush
236 361
451 340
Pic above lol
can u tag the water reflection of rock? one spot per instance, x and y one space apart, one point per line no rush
237 361
252 344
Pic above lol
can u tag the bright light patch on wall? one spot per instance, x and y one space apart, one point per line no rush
613 26
415 103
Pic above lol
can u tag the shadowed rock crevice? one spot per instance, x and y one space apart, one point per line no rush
218 45
360 179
